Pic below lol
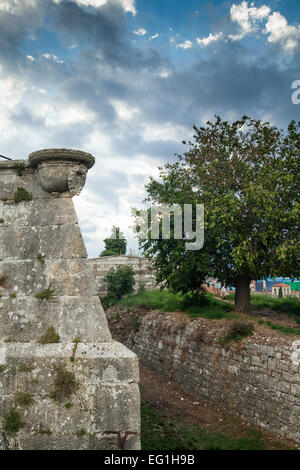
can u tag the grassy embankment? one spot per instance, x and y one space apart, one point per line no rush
211 308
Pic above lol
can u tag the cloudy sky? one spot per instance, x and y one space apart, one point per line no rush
127 79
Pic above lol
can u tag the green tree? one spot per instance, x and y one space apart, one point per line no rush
120 281
280 293
116 244
247 175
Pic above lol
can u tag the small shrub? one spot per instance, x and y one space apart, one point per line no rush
65 384
117 315
19 169
141 287
192 299
2 368
45 431
49 337
22 195
45 294
1 221
12 422
237 331
120 281
81 433
136 323
68 405
23 399
13 295
228 307
40 258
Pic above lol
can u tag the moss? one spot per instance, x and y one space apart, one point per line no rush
65 384
2 368
22 195
68 405
23 399
49 337
29 367
13 295
237 331
12 422
19 169
40 258
81 432
75 341
45 294
45 431
1 220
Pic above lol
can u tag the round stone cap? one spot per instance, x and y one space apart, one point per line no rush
76 156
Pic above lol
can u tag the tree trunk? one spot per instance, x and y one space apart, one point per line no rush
242 294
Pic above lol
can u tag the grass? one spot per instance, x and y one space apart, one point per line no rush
65 384
283 329
166 301
160 434
12 422
23 399
49 337
22 195
286 305
46 294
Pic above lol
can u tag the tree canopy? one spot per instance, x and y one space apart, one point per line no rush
247 175
116 244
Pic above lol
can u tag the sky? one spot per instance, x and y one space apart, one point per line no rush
127 79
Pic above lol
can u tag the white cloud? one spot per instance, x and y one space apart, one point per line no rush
52 57
124 111
16 7
164 73
29 57
140 32
247 18
209 39
154 36
281 32
185 45
128 5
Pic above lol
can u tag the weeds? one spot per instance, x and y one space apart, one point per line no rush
49 337
12 422
23 399
237 331
22 195
45 294
65 384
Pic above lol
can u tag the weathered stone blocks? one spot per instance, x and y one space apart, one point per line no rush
47 284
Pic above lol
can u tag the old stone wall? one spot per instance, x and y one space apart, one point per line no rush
255 379
64 383
143 268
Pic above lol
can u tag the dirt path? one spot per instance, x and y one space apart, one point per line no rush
176 405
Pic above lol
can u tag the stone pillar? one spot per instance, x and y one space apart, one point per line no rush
62 378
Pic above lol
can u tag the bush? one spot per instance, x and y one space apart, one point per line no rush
192 299
237 331
120 281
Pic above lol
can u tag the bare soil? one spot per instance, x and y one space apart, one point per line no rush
174 402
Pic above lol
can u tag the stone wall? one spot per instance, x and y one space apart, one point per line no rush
255 379
70 384
142 267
